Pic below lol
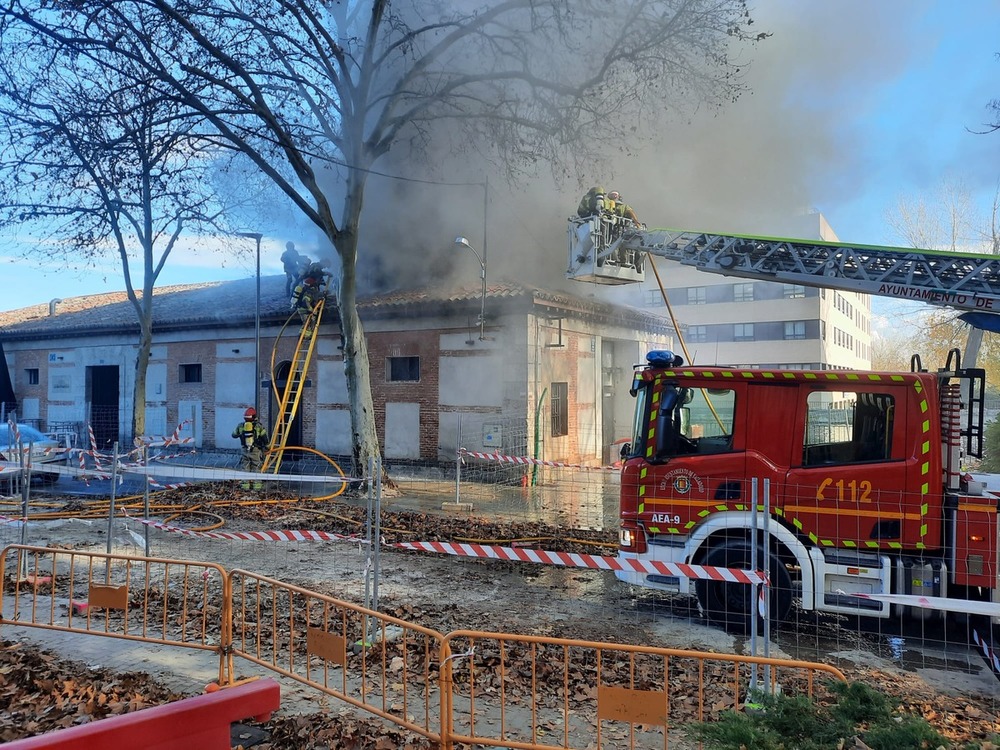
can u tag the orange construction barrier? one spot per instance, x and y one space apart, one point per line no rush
200 722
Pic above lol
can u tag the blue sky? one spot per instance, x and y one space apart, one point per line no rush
855 103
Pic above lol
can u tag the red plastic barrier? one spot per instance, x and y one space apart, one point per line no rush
201 723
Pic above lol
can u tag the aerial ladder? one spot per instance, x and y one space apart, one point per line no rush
291 396
966 281
606 250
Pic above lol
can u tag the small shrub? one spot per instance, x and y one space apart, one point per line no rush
784 722
906 731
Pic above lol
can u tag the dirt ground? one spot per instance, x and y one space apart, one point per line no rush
449 593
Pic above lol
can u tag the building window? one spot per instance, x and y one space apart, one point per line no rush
696 295
743 292
698 334
191 373
560 409
795 329
402 369
793 291
32 373
654 298
743 332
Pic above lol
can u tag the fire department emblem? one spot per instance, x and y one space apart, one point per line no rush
682 481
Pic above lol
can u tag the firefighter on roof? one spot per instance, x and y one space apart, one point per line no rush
308 292
294 264
253 437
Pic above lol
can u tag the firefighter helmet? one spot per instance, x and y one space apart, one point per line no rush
250 413
309 281
615 195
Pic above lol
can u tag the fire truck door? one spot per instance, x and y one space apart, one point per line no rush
848 487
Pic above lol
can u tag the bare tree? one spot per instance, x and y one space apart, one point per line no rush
948 221
98 163
317 93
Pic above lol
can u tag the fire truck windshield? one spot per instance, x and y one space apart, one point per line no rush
694 420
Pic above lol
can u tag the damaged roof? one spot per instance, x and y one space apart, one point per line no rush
233 303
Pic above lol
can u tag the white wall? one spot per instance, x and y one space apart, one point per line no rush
402 430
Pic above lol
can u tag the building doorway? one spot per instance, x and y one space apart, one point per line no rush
608 385
103 397
295 429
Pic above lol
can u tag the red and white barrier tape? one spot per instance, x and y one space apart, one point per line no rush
988 653
168 486
526 461
599 562
257 536
163 440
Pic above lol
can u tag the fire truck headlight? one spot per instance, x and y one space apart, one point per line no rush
625 537
632 538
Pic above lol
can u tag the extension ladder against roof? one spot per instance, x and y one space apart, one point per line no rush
292 393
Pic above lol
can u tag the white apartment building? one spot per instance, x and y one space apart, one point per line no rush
739 322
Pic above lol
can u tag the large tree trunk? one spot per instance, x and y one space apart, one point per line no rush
364 436
357 370
141 366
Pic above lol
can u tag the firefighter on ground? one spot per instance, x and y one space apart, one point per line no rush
307 293
253 438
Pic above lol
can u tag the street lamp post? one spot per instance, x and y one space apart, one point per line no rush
482 265
257 236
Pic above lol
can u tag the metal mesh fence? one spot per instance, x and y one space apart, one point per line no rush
524 506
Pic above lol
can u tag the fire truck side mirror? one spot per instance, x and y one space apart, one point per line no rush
626 451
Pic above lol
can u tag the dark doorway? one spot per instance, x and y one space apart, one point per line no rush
8 402
102 396
608 400
295 430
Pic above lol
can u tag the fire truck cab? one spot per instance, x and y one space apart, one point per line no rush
864 493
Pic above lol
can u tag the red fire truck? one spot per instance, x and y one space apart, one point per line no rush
861 506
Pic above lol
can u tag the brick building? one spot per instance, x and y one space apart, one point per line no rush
550 376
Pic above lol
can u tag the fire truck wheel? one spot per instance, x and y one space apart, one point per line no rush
732 604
